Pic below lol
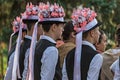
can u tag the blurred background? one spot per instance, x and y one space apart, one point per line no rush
108 13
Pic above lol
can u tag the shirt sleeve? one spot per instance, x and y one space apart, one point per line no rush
64 73
8 75
113 66
49 61
25 71
95 66
116 69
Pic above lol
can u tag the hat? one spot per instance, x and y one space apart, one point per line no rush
83 20
16 26
51 13
31 13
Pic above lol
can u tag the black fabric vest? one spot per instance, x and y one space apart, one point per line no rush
24 46
40 48
86 57
11 51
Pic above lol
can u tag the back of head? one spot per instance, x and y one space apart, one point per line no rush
68 29
118 34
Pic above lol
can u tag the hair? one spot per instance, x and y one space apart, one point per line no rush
46 25
118 34
68 28
100 37
29 23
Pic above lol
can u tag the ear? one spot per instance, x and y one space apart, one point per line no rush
72 34
92 34
53 27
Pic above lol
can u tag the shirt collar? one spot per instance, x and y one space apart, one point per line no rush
48 38
28 37
89 44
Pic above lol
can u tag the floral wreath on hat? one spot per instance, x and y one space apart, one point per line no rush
17 23
51 10
81 17
31 10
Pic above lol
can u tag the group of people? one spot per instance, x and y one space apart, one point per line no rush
50 48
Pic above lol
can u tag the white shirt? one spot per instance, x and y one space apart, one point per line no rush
49 60
26 59
95 65
116 69
8 75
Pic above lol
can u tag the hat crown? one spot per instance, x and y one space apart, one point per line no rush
31 12
82 17
50 11
17 23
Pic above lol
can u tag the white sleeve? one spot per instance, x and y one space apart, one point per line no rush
8 75
25 71
114 65
49 62
116 69
64 73
95 66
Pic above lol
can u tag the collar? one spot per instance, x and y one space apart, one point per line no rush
28 37
47 38
89 44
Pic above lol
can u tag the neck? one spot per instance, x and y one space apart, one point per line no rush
89 40
50 35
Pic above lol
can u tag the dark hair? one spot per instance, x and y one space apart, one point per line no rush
29 23
68 28
118 34
46 25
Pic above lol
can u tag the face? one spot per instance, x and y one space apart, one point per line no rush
96 34
102 45
59 30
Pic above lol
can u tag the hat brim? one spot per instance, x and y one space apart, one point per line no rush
52 22
29 20
97 25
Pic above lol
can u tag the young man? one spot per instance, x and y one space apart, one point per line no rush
83 62
30 17
16 26
46 60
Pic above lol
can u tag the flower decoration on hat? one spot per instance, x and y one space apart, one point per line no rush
51 11
81 17
17 23
31 11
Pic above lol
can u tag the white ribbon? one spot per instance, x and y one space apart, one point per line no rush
77 57
31 55
10 41
15 70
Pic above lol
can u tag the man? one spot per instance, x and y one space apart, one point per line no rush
30 20
46 60
83 62
16 26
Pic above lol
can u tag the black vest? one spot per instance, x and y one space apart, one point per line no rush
24 46
11 51
86 57
40 48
